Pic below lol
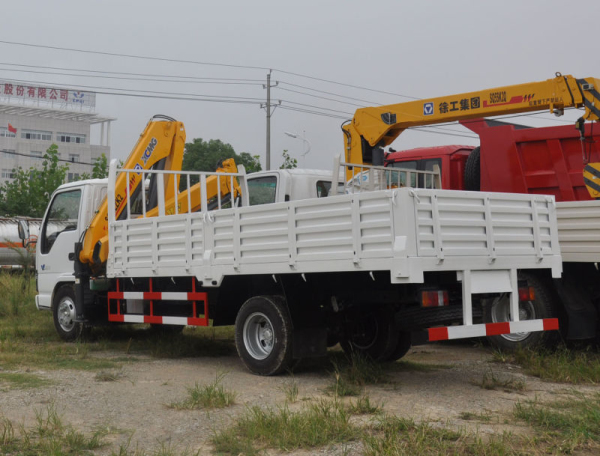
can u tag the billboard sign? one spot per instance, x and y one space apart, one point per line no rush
31 92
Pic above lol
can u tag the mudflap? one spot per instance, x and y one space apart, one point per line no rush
582 315
309 343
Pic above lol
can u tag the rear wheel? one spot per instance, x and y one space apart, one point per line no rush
543 306
263 335
402 347
64 313
473 171
372 334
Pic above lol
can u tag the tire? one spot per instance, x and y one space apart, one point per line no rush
372 334
473 171
263 335
543 306
402 347
63 311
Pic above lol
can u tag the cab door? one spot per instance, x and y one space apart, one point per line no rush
55 246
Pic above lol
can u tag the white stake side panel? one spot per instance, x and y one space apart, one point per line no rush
579 230
404 231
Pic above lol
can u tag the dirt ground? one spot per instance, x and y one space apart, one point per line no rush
137 401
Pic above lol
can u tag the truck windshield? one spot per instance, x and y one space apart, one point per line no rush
62 216
262 190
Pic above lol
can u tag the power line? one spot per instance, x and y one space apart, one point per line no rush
330 93
206 81
195 62
317 96
20 154
132 56
132 74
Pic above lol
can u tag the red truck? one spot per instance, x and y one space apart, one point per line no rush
517 159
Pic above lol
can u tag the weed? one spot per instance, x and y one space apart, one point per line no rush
392 436
290 389
363 406
412 366
490 382
353 374
323 423
469 416
208 396
50 436
561 365
109 376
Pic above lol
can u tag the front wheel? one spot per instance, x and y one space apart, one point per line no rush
263 335
64 314
542 306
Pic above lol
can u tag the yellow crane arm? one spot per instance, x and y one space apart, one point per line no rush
215 185
161 145
379 126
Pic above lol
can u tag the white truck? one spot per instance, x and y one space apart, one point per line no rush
296 271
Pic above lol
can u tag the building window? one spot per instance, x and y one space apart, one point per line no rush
4 133
9 153
71 177
70 138
36 134
37 153
74 158
8 173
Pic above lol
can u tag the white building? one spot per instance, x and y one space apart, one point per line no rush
30 123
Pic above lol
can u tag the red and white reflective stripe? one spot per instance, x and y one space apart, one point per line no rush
157 296
492 329
183 321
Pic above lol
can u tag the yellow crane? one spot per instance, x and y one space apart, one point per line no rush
160 146
373 128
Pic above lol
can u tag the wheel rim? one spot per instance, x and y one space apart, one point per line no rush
501 313
259 335
66 314
365 333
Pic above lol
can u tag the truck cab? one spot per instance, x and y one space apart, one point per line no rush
282 185
71 209
450 159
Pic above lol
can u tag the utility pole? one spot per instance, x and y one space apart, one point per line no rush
267 106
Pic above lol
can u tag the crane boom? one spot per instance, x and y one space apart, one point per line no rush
375 127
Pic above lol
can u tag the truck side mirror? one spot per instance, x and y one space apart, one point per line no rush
23 227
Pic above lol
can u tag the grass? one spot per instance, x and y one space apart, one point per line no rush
363 406
489 381
19 380
316 425
28 338
50 436
210 396
353 373
290 389
565 425
109 376
394 436
470 416
561 365
413 366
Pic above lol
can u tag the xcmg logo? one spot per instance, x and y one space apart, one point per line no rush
149 150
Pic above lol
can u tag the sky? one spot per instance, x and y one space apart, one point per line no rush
326 58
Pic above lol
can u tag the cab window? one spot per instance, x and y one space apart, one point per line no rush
262 190
324 187
62 216
400 178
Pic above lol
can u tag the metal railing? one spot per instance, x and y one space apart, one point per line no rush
194 197
361 178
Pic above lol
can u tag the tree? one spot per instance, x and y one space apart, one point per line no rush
100 169
288 161
29 192
250 162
